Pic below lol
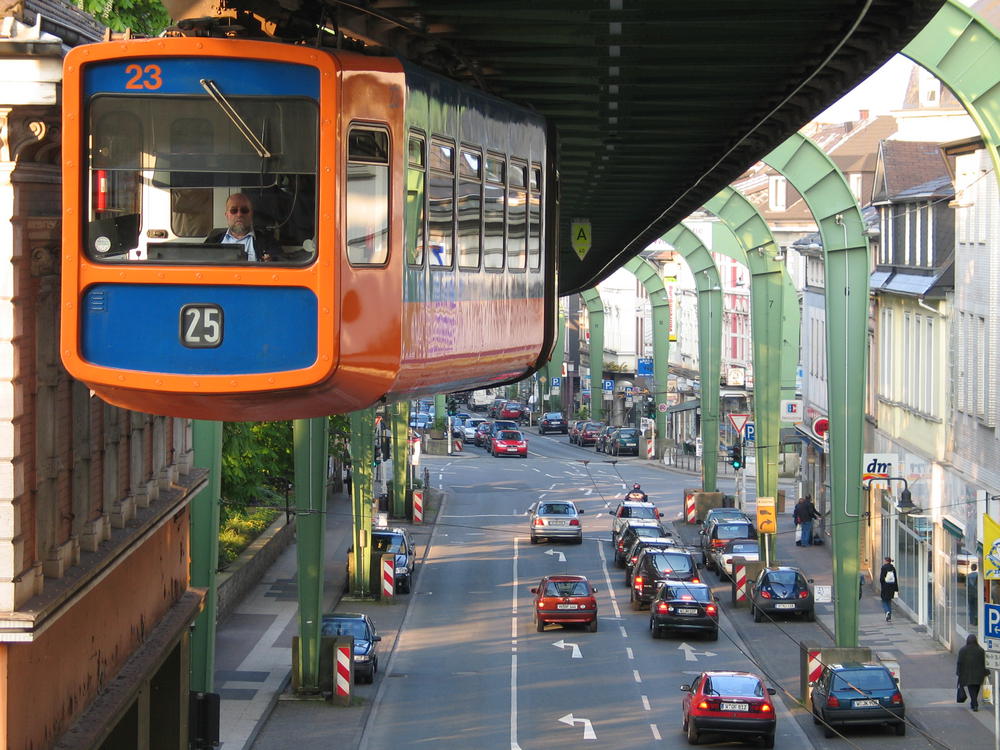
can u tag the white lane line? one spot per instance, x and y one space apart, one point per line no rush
656 732
614 606
513 656
645 703
607 581
628 652
622 628
635 675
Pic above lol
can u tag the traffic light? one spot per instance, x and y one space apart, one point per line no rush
736 455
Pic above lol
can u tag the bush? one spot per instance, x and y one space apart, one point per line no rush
240 529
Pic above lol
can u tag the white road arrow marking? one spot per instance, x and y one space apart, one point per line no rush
588 728
690 654
562 557
576 649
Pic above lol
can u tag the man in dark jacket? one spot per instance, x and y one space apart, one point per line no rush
971 669
240 231
889 586
804 514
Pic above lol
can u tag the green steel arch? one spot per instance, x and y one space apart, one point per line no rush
706 279
646 273
766 300
963 51
595 316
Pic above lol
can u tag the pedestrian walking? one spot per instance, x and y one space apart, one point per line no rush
888 581
972 593
805 513
971 670
795 517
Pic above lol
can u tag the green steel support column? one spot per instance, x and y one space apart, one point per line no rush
205 551
846 258
791 331
766 297
440 405
310 438
400 457
554 368
963 51
647 274
706 279
595 316
362 492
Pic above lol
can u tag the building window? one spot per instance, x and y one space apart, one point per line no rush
777 193
857 182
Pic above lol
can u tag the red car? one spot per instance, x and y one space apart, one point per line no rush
508 443
589 433
565 600
734 704
511 410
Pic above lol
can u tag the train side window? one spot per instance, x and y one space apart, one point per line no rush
535 218
367 196
470 203
441 199
493 212
415 201
517 215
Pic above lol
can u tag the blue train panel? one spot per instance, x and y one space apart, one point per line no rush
181 75
199 330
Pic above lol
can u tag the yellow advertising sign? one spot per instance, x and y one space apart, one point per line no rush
767 521
579 230
991 549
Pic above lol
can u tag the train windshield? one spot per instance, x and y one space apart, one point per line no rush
202 180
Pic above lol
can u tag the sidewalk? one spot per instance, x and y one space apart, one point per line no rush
253 646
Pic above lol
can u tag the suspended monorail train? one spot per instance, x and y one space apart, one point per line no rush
404 225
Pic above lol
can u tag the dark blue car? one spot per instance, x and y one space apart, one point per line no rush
365 641
853 693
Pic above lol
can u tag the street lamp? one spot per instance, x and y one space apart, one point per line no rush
905 506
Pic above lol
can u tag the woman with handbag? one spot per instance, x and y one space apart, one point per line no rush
889 586
971 670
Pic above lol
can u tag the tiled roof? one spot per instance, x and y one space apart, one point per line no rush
907 164
857 151
64 20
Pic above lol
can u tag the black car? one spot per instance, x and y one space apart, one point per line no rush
366 640
688 607
781 591
603 438
657 565
635 528
397 541
641 543
625 440
553 421
853 694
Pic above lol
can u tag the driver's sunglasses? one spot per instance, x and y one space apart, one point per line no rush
240 210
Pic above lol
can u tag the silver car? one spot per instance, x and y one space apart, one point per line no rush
555 519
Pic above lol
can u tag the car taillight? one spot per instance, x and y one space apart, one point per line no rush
727 560
574 522
765 594
637 582
765 708
621 544
696 579
832 702
803 595
633 559
539 522
717 543
662 607
897 699
710 609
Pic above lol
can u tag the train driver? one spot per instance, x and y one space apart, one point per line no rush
240 230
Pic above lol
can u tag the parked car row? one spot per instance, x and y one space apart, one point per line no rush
615 441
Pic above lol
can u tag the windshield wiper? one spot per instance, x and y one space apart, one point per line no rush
255 143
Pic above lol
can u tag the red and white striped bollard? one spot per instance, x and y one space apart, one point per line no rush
690 510
388 576
740 576
418 506
343 686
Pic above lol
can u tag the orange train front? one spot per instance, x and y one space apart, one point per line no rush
402 244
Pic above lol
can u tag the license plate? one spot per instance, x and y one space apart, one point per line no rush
789 605
866 703
512 450
735 706
566 606
687 611
559 522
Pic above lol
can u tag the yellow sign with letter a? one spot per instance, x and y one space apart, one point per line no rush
767 521
579 230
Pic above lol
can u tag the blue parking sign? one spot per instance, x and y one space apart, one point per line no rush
991 621
749 432
608 385
556 382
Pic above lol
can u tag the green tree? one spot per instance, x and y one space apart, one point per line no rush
144 17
